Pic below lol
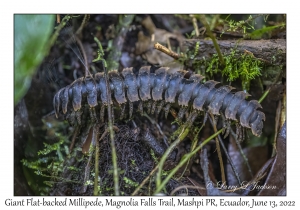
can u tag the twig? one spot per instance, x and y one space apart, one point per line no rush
228 156
87 72
106 131
145 181
83 23
87 172
74 138
58 18
213 123
241 151
153 122
166 51
184 160
226 153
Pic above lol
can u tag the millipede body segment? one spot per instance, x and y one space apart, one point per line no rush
155 91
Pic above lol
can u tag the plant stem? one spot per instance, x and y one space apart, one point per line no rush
194 144
83 23
264 95
96 135
184 160
183 134
213 38
100 53
194 20
58 29
110 124
111 135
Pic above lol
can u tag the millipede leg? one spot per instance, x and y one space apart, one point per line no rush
193 115
243 134
160 105
71 118
102 109
227 128
167 109
205 117
130 109
149 104
122 107
216 118
238 132
93 114
140 108
112 115
158 148
181 112
78 116
226 125
153 107
156 90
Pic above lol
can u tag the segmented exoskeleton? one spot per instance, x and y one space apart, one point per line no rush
155 91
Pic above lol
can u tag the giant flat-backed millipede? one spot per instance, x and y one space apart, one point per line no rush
158 89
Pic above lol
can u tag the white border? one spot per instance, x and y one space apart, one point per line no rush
8 8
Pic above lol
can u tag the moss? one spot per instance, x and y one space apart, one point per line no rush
243 66
130 183
45 167
153 156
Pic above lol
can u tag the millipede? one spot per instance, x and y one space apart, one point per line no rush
156 91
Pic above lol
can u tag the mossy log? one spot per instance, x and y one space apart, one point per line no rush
271 51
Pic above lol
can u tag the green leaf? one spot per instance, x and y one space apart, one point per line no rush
31 35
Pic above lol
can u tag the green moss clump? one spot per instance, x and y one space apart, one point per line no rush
243 66
43 169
